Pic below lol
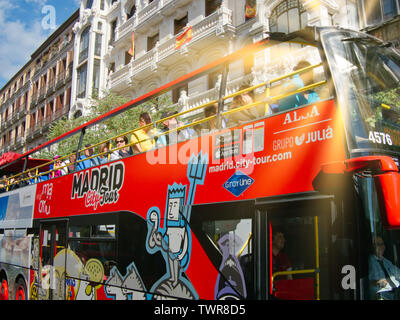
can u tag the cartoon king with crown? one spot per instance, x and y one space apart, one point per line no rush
174 239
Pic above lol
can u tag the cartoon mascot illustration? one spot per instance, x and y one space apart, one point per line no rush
174 238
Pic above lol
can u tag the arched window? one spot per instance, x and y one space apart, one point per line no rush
89 4
131 12
288 16
84 45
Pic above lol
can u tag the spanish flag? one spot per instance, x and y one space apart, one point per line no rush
183 38
250 9
132 49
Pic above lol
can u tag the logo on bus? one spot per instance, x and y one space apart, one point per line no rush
238 183
99 186
295 117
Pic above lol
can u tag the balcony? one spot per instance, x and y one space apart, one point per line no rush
164 54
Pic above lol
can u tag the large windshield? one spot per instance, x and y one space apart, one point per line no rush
366 74
381 247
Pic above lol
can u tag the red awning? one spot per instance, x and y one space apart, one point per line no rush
18 166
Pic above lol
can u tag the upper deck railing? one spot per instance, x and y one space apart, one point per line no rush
33 175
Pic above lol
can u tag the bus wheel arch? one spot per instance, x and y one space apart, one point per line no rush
21 292
3 286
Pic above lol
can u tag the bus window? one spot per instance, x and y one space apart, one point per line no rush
382 250
94 242
49 280
232 241
301 243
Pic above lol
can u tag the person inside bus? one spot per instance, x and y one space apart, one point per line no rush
71 162
280 260
83 158
211 124
299 81
123 152
173 123
56 167
384 276
240 117
106 155
146 138
3 184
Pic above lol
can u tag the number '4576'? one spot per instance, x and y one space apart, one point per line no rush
380 138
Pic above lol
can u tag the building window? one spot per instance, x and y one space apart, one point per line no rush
131 12
176 93
379 11
89 4
113 31
82 74
212 6
180 24
288 16
96 77
97 47
84 45
151 41
128 58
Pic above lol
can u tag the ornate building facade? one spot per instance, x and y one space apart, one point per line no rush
39 93
105 29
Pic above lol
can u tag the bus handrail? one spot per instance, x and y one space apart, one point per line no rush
267 100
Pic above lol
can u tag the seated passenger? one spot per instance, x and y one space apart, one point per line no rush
144 139
280 260
107 155
71 162
211 124
173 123
240 117
88 162
384 276
123 152
299 81
55 167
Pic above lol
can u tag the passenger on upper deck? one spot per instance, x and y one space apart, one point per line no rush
173 123
71 162
108 156
299 81
211 124
56 171
86 154
123 152
144 139
240 117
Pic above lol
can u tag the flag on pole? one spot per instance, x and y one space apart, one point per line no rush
251 9
132 49
183 38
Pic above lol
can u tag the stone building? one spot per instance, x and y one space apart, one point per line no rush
103 38
39 93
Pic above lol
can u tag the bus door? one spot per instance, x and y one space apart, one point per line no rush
298 248
226 232
51 284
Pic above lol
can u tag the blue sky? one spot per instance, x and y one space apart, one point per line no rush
24 26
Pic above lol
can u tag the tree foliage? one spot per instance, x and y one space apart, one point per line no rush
107 129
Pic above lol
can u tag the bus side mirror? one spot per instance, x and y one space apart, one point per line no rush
386 177
388 188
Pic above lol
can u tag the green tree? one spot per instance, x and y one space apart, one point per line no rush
108 128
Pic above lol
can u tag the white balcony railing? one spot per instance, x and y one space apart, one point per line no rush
165 49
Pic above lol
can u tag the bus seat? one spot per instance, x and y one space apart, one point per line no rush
296 289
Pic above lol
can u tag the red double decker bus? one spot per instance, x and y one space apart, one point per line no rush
294 194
